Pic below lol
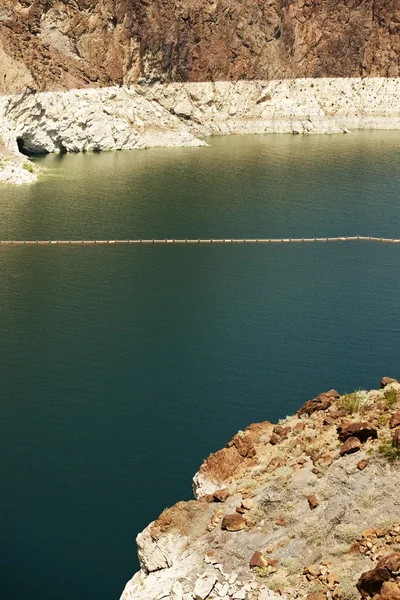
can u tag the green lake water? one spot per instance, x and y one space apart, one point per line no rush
122 368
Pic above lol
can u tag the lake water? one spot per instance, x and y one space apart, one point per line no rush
122 368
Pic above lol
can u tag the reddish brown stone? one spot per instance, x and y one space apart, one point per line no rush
281 521
233 522
386 380
326 459
380 533
362 464
220 495
355 548
274 439
312 501
258 560
394 420
314 455
361 430
278 429
243 445
351 445
273 562
396 438
299 427
332 579
390 591
321 402
371 582
368 532
207 498
285 432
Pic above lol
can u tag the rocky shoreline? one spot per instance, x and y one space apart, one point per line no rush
16 168
181 114
306 508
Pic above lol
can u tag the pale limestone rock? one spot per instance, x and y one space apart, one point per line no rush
176 592
269 595
158 554
93 119
184 108
222 589
204 585
203 486
13 171
239 595
146 115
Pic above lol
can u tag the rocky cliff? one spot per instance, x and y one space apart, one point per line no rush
64 44
179 114
307 508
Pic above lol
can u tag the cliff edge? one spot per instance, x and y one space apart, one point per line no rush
307 508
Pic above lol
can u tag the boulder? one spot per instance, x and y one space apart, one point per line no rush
371 582
396 438
258 560
361 430
204 586
387 380
176 592
351 445
274 439
321 402
233 522
243 445
282 432
220 495
394 420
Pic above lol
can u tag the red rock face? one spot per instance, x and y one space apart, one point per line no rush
79 43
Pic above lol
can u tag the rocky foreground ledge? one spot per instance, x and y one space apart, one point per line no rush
307 508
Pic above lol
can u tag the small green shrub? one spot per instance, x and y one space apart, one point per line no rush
277 582
261 571
388 450
383 419
28 167
354 402
390 398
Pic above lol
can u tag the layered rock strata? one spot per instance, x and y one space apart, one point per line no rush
55 44
180 114
286 510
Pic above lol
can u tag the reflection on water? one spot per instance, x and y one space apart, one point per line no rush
253 186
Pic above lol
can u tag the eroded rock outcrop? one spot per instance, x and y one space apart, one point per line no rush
180 114
287 519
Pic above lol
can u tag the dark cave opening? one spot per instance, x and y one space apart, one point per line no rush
21 146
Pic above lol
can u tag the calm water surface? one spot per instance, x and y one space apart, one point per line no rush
121 368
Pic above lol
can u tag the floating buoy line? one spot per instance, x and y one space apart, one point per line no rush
197 241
